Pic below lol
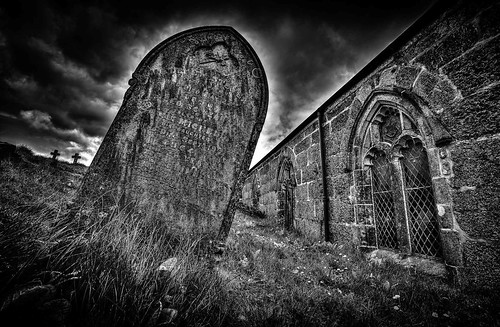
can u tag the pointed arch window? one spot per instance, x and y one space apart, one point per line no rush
395 200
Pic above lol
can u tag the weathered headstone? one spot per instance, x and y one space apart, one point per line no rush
75 157
181 144
55 154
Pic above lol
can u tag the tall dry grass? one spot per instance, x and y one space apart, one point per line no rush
117 262
107 269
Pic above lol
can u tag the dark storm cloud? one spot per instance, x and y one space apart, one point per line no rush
64 65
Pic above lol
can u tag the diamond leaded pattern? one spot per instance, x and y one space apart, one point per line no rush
424 229
383 201
417 214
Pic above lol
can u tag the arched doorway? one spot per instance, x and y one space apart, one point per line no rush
286 184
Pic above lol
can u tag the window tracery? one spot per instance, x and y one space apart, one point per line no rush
394 196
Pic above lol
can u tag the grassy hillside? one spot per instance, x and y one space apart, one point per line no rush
58 271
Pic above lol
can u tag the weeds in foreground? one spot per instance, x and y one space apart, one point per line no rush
290 282
119 282
106 273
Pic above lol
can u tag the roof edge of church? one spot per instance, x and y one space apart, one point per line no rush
429 16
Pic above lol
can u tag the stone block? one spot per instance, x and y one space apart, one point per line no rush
442 95
341 211
430 36
315 137
469 10
476 68
333 142
313 155
482 261
340 184
445 215
335 164
298 176
331 111
387 77
450 47
302 145
326 130
338 123
406 75
475 163
487 21
311 128
425 83
311 173
301 160
319 208
273 163
442 190
264 170
475 116
476 212
363 92
301 193
433 156
315 190
452 247
355 108
330 186
340 106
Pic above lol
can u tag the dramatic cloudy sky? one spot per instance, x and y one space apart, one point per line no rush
64 65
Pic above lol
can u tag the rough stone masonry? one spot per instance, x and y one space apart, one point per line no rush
405 156
182 141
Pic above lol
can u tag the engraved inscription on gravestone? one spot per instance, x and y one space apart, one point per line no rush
181 143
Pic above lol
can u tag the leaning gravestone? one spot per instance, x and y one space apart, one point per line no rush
181 143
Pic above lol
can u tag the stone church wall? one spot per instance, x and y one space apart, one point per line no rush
444 72
303 151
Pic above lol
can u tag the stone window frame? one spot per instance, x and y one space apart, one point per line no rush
432 135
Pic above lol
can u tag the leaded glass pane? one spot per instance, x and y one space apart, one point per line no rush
383 201
424 230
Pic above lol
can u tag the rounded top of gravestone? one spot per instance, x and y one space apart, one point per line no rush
152 55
